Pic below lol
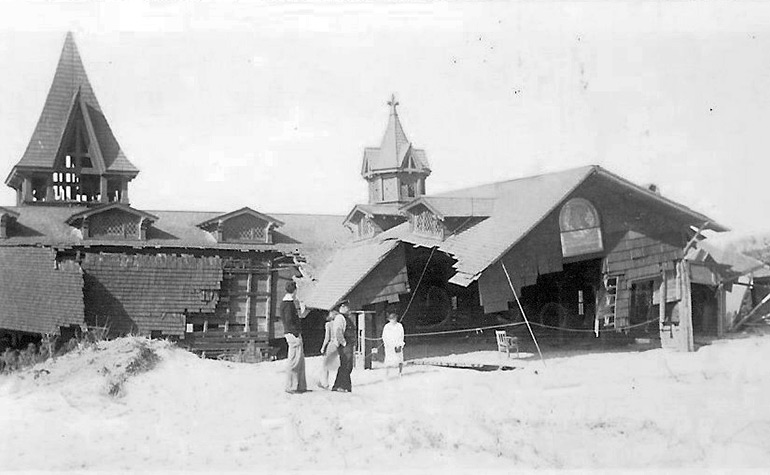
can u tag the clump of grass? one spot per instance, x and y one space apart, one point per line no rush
145 360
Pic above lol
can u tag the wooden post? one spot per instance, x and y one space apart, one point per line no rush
26 189
124 191
685 312
363 352
721 310
49 194
103 190
269 303
662 297
249 298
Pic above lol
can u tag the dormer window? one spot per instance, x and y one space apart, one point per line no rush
244 228
244 225
425 223
113 221
366 228
439 217
580 228
367 221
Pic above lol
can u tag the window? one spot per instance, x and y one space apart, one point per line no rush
427 224
366 228
245 228
114 224
580 228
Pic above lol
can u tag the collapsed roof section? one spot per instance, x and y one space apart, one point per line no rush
497 217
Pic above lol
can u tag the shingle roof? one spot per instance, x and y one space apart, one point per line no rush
515 213
47 225
348 267
517 206
455 207
244 210
71 81
24 273
148 293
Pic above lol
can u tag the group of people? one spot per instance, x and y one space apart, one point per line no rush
338 347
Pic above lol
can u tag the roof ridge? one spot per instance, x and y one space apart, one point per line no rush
511 180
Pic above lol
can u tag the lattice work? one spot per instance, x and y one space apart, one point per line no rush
244 228
114 224
366 228
427 223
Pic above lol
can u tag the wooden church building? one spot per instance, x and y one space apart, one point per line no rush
75 253
584 249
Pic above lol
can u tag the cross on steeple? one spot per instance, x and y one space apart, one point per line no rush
393 103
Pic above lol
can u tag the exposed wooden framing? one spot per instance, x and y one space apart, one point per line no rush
249 297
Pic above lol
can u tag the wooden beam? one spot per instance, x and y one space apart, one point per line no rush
721 310
662 297
685 314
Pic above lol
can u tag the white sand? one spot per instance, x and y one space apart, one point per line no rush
653 410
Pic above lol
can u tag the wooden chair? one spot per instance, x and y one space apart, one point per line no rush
505 342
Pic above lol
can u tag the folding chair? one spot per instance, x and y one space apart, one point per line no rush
505 343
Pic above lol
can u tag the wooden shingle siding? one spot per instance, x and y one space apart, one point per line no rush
142 293
37 295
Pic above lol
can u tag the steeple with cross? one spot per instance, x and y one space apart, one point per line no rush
396 170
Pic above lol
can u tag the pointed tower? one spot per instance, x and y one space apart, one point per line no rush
73 156
396 171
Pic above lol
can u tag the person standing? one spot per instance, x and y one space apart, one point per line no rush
346 336
295 360
393 342
331 357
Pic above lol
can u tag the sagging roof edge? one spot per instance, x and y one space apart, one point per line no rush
395 243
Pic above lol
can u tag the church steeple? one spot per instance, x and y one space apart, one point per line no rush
73 156
396 171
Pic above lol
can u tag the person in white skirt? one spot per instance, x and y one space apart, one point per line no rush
331 357
393 342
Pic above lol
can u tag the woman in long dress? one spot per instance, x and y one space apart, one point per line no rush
393 342
331 359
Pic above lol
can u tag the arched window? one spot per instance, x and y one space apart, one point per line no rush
580 228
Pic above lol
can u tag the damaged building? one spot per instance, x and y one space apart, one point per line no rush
74 253
583 249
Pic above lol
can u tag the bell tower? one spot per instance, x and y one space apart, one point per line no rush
396 170
73 157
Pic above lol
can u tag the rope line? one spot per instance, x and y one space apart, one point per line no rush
419 281
506 325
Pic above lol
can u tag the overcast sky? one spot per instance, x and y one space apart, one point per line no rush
223 105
